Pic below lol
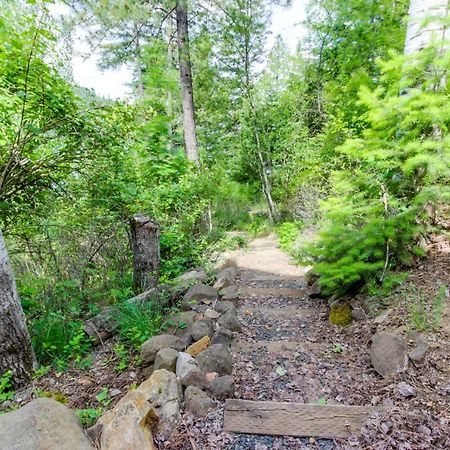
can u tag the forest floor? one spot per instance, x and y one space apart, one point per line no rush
320 362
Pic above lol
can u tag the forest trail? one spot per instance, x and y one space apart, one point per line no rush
287 351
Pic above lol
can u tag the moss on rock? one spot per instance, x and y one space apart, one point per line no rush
341 314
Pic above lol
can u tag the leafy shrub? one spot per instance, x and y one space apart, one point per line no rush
6 392
288 232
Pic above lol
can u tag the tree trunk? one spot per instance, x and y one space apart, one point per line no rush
420 35
190 133
137 61
169 101
145 246
16 353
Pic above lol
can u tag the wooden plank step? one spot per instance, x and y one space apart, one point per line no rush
293 419
273 292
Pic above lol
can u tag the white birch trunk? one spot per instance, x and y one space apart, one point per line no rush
419 34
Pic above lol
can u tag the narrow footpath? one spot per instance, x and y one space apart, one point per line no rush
287 351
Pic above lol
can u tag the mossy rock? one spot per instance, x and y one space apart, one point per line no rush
341 314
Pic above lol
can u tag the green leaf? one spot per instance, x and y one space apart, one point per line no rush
281 371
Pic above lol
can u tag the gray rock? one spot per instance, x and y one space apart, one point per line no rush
166 358
222 336
383 317
229 321
185 364
216 358
224 306
222 387
194 377
191 276
358 314
212 314
388 353
406 390
225 278
201 328
418 355
230 293
196 294
180 323
163 391
102 326
43 423
197 402
311 277
153 345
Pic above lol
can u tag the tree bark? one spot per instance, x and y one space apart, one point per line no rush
16 352
146 257
187 95
420 35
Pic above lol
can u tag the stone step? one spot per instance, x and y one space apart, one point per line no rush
245 346
273 292
279 313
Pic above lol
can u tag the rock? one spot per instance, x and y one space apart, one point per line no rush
211 314
340 314
382 317
230 293
201 328
128 426
180 323
229 321
185 363
222 336
358 314
43 423
166 358
311 277
102 326
388 353
222 387
192 276
153 345
225 278
315 290
197 402
211 376
418 355
216 358
199 346
147 371
224 306
198 293
163 391
406 390
114 392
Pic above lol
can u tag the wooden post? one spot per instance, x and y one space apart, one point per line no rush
145 246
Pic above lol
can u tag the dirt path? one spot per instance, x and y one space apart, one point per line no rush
317 362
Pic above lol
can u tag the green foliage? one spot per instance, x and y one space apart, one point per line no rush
6 391
138 322
425 313
89 416
58 396
394 173
289 232
123 356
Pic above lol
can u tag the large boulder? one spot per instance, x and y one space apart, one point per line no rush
226 277
166 358
163 391
43 423
224 306
153 345
199 293
201 328
128 426
215 358
197 402
388 353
